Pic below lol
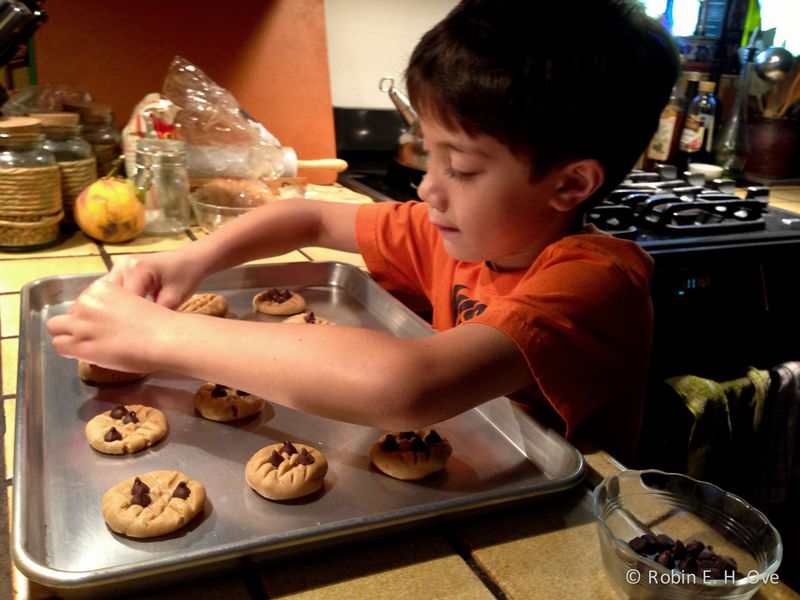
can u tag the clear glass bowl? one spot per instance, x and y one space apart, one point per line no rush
218 202
635 503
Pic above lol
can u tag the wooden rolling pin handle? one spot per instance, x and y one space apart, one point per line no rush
333 164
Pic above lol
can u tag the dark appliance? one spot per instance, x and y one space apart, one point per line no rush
723 293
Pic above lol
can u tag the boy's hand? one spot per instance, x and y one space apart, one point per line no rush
111 327
164 276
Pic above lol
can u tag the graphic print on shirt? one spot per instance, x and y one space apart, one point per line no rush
462 307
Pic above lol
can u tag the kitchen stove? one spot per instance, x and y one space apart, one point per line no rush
723 292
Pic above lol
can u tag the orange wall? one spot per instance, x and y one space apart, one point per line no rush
270 54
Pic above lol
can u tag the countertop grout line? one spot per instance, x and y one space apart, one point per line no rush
463 550
105 256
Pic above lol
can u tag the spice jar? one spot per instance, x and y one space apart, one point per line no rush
76 161
30 187
162 182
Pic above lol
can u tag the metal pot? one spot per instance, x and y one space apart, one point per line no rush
409 152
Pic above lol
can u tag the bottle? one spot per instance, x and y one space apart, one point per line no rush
734 142
697 138
162 182
664 145
98 129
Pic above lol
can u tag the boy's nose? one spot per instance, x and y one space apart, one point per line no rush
429 192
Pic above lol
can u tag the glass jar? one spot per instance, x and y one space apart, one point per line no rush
74 155
21 144
162 183
62 132
97 122
31 208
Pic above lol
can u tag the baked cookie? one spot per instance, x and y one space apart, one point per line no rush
126 429
279 302
154 503
219 403
96 375
285 471
308 317
411 455
205 304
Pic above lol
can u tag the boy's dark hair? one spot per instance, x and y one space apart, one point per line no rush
561 80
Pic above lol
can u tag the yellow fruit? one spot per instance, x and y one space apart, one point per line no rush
109 211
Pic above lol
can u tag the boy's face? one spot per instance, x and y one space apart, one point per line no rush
483 201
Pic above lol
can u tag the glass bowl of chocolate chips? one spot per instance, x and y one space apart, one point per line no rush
666 535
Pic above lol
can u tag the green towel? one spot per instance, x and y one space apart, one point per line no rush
724 421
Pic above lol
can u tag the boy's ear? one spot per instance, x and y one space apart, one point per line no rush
577 181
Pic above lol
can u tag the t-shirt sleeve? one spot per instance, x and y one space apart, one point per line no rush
396 242
583 323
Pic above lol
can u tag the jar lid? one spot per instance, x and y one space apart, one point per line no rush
13 125
96 109
57 118
706 86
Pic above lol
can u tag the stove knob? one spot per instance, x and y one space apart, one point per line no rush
726 186
757 192
666 172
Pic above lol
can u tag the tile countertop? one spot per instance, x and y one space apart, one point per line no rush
544 548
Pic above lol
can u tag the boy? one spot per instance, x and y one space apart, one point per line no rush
528 112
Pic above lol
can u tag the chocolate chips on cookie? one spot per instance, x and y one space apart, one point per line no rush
411 455
286 471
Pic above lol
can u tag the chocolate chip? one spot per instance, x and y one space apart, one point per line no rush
234 411
679 550
664 542
275 459
639 544
665 558
219 391
304 458
432 437
277 296
418 445
242 393
142 499
130 418
389 444
112 435
694 557
139 486
310 318
182 491
688 565
694 547
118 412
288 448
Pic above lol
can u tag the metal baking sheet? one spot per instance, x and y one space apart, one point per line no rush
59 537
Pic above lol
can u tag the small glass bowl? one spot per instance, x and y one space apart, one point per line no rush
634 503
220 201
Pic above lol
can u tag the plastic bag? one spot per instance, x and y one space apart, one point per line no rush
222 141
153 117
52 97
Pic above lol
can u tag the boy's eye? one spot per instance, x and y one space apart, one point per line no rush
456 174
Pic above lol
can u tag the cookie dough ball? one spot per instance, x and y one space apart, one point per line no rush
286 471
308 317
219 403
205 304
126 429
279 302
411 455
153 504
96 375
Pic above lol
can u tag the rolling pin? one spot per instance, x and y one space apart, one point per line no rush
291 163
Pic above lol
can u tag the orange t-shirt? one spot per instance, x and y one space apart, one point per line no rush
581 315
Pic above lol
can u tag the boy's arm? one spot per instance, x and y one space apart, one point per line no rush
274 229
278 228
357 375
